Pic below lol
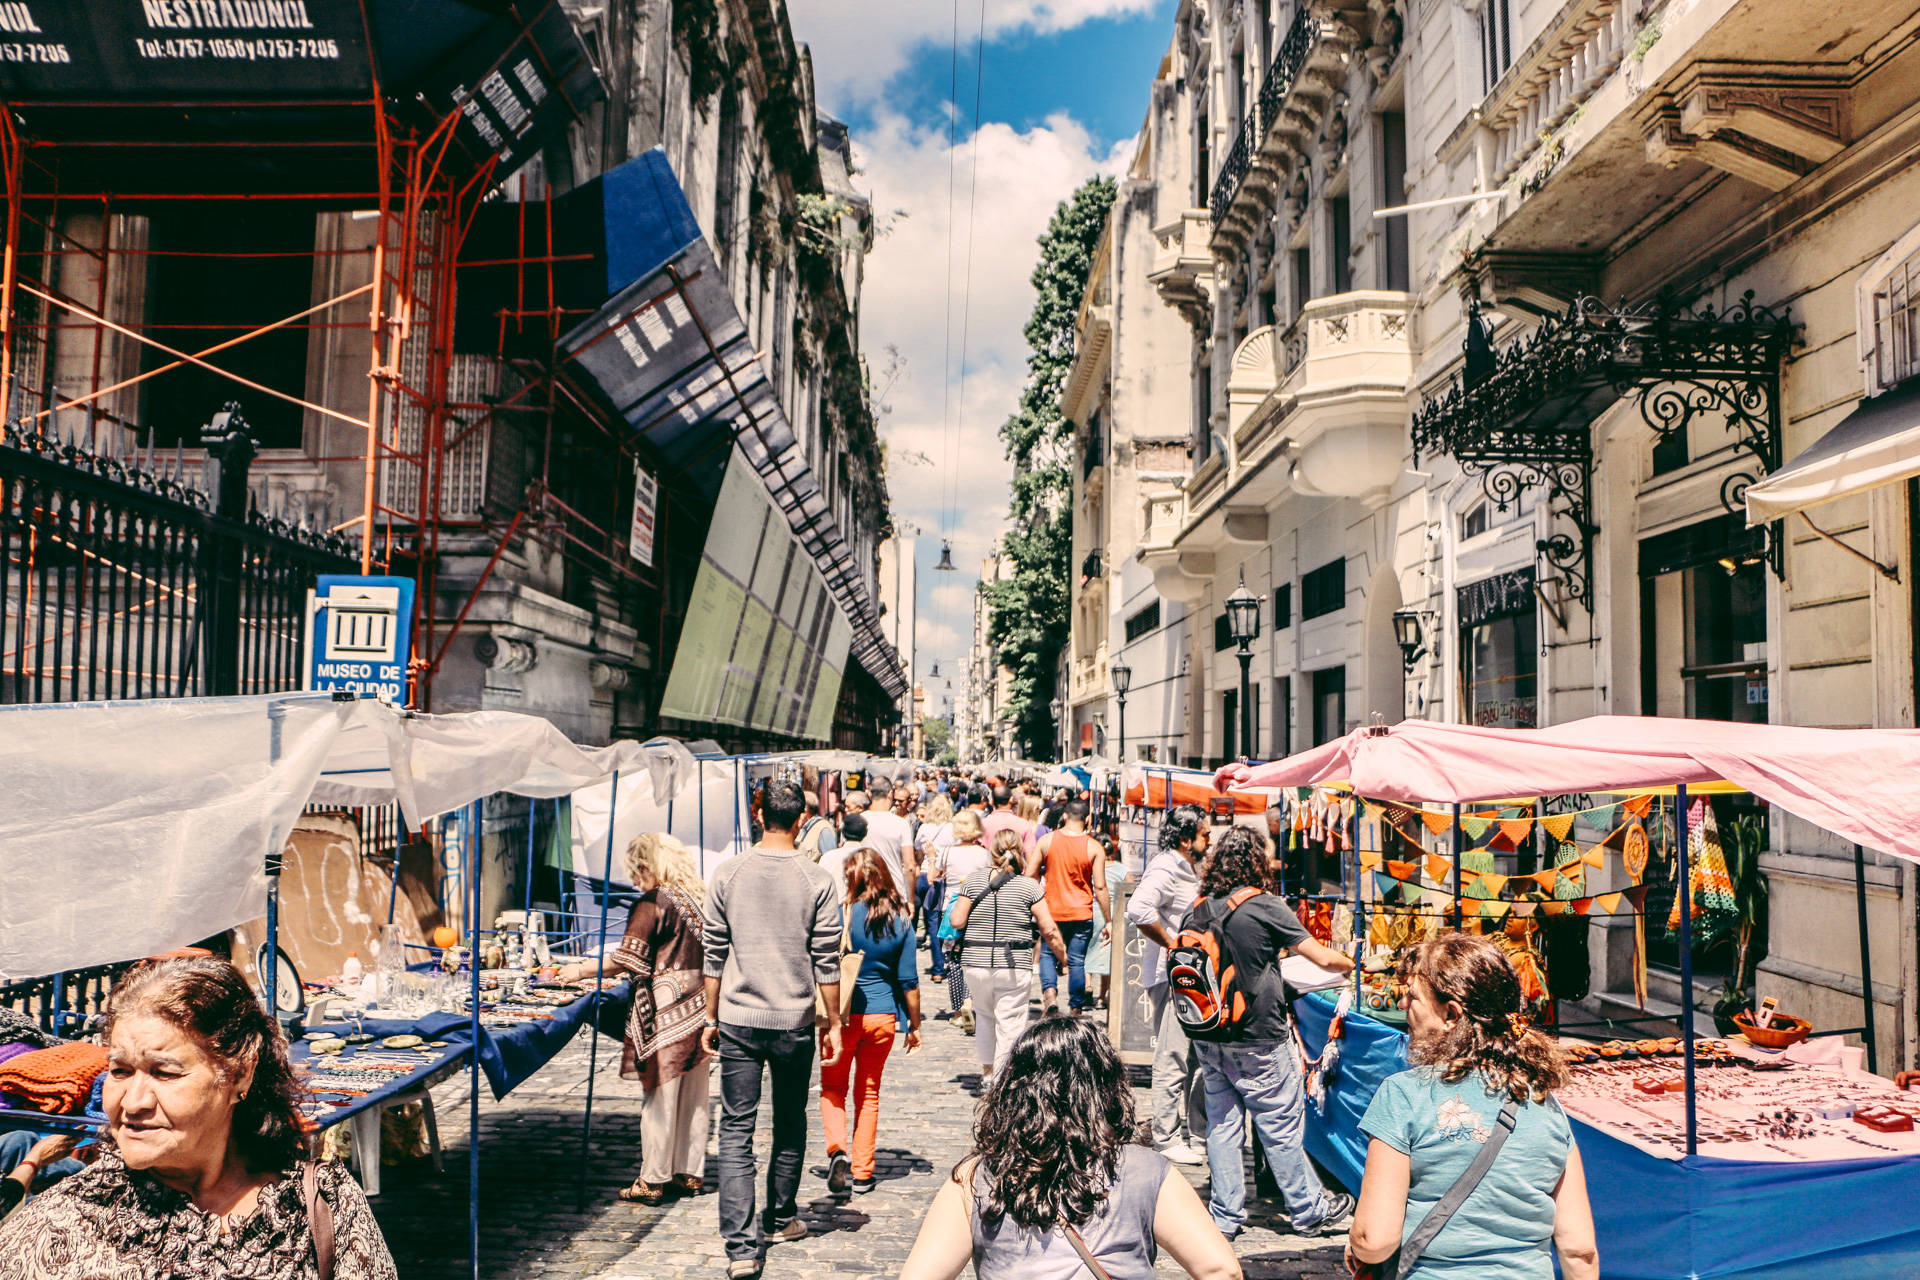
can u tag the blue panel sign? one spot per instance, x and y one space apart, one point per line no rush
360 635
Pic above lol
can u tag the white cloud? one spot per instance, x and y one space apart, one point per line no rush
962 492
859 45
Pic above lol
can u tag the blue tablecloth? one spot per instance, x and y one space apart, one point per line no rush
1658 1219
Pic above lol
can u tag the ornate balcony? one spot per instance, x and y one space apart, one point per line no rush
1183 270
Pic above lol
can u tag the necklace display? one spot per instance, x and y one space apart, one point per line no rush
1800 1112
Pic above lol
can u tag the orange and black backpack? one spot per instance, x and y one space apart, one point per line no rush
1207 991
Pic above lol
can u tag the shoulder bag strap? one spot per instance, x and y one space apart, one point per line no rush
1436 1220
1086 1254
319 1219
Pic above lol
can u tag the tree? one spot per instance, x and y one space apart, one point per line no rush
938 738
1030 606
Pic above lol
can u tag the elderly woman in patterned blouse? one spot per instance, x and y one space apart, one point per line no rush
664 949
202 1170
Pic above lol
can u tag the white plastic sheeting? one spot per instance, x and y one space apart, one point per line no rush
711 819
131 828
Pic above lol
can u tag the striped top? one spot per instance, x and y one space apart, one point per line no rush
1000 929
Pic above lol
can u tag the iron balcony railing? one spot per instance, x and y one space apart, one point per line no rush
1280 77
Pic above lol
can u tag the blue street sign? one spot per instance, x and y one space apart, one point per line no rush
360 635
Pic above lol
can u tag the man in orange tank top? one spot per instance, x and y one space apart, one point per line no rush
1073 867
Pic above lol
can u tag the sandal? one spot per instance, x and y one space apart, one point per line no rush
688 1185
643 1193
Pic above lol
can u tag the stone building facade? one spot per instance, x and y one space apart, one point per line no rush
1655 254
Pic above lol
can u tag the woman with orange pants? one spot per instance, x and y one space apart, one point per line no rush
879 926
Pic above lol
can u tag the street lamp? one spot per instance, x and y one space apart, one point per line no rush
1059 732
1122 676
1409 630
1243 624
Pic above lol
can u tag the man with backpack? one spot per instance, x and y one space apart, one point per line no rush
1224 970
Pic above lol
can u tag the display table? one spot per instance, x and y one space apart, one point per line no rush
368 1078
1793 1215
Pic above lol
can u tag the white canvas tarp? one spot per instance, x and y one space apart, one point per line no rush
710 819
131 828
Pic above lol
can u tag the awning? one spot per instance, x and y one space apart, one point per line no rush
675 359
1878 443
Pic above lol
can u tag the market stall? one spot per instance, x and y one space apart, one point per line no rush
195 798
1775 1130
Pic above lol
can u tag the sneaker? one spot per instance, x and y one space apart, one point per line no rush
1181 1153
743 1269
863 1186
1339 1214
796 1228
839 1171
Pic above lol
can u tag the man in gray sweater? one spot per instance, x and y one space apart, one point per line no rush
772 940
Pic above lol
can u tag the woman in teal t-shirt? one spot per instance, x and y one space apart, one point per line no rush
1473 1052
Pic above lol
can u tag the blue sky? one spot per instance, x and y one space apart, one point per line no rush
1097 73
1063 92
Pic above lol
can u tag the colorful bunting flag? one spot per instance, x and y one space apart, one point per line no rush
1384 885
1524 907
1553 908
1402 870
1609 903
1516 829
1495 908
1476 827
1558 825
1438 868
1369 859
1436 822
1492 881
1595 857
1603 816
1639 806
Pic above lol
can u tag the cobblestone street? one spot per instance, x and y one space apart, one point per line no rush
530 1166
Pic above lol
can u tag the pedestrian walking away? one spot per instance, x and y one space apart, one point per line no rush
1166 893
1054 1187
1482 1079
1006 817
772 952
885 996
1253 1072
664 951
1072 865
936 837
965 856
999 914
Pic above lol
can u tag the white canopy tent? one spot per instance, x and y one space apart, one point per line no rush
131 828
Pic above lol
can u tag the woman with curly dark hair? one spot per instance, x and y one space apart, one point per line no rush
1054 1171
1255 1076
202 1171
1478 1066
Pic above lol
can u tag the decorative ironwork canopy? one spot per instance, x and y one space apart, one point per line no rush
1527 421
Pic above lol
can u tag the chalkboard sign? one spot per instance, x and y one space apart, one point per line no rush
1129 1012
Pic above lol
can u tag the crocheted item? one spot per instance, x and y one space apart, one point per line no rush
18 1028
56 1081
14 1050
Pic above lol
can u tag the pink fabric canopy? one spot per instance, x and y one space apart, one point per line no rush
1863 784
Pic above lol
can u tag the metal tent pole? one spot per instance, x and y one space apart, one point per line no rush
593 1015
533 812
1683 886
1360 930
1459 847
473 1090
1866 960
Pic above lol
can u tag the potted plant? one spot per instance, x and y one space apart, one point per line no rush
1742 840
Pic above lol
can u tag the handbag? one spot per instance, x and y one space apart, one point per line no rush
850 961
1086 1255
1408 1256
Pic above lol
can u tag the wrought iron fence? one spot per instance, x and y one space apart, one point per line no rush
61 1003
119 583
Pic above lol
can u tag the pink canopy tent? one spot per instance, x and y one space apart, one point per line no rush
1863 784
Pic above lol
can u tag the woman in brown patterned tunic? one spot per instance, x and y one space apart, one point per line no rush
664 952
202 1172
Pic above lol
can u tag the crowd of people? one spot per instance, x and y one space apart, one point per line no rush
807 945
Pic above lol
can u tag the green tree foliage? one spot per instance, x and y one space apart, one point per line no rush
1029 621
939 741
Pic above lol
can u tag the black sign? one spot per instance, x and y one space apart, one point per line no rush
516 85
108 49
1500 596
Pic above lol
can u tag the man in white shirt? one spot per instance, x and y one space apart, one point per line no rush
891 836
1166 893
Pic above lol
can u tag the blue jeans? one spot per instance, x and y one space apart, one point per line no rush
1262 1079
1078 933
932 904
745 1054
14 1145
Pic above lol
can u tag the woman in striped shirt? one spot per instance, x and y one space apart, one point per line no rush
999 913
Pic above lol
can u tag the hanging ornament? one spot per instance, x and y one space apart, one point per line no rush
1634 850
